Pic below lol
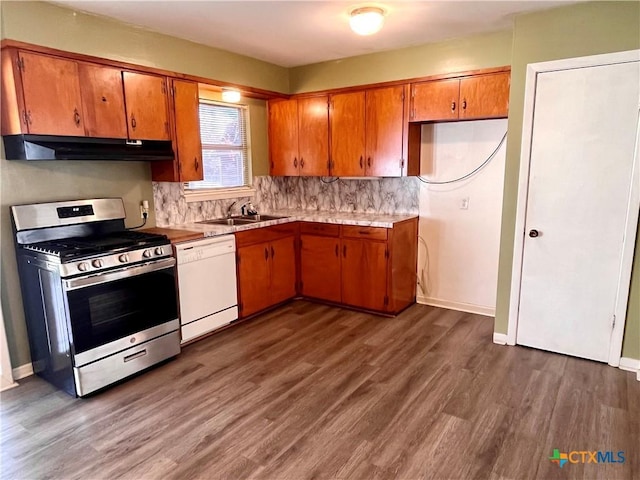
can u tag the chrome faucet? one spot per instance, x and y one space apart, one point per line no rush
229 209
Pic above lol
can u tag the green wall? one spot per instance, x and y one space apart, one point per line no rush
573 31
457 55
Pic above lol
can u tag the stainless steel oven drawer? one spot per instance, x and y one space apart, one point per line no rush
101 373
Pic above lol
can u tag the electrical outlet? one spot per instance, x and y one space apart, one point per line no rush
144 208
464 203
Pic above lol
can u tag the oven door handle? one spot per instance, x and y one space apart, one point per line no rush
100 278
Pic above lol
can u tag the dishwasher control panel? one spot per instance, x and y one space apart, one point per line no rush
207 248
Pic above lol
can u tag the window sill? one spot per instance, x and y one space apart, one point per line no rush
217 194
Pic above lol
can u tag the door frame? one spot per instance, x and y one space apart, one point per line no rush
624 276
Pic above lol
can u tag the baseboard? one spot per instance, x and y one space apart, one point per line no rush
499 338
460 306
22 371
630 365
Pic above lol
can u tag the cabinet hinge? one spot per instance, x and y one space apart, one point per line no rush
20 63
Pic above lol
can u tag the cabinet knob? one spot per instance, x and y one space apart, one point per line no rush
76 117
361 165
337 254
266 253
301 162
453 106
464 104
344 250
369 162
273 252
196 162
133 121
295 162
534 233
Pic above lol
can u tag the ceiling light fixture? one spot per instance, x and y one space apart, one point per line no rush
230 95
366 20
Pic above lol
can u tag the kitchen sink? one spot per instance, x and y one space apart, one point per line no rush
241 220
228 221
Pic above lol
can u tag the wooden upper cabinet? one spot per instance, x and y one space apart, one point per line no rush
473 97
313 135
485 96
146 105
283 137
384 130
102 101
187 142
348 134
52 100
435 100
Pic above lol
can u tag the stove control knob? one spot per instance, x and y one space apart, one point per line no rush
124 258
83 266
147 254
97 263
159 251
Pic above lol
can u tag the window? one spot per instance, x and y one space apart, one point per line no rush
226 156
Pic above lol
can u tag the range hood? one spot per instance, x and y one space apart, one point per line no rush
49 147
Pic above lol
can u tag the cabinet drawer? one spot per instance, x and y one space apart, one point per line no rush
372 233
328 229
265 234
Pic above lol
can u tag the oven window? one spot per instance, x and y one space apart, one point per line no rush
106 312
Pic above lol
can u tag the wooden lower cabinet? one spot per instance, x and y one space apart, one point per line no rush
320 267
364 274
266 268
283 269
371 268
254 278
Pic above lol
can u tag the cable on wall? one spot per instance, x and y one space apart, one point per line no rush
329 181
471 173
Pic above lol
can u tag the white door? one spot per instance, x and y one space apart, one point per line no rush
585 124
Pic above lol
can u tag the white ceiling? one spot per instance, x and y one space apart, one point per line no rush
292 33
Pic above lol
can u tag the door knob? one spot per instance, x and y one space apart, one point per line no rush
534 233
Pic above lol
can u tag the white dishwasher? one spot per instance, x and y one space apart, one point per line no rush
206 285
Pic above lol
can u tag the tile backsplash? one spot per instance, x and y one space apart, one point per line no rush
378 195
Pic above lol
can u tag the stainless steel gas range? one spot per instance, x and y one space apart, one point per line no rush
100 300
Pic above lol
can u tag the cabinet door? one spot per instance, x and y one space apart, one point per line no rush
283 269
485 96
102 101
187 130
320 267
253 278
53 104
435 100
313 135
364 274
347 120
384 127
146 104
283 137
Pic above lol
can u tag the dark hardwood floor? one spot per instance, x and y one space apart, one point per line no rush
311 391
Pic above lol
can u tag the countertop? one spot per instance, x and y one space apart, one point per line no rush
341 218
175 235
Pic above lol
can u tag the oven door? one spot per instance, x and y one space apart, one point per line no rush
114 310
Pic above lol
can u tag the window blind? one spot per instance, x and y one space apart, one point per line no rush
225 150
